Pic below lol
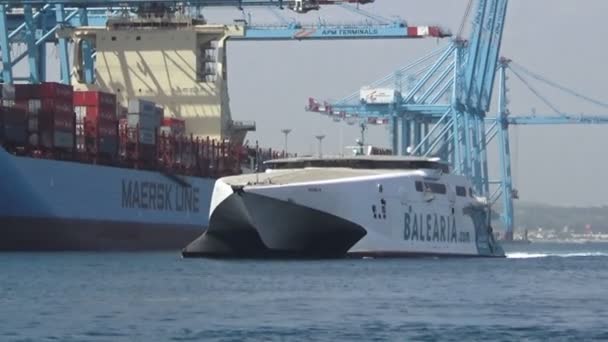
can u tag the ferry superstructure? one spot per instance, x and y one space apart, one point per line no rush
376 206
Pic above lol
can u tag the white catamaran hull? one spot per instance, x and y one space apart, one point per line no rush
382 214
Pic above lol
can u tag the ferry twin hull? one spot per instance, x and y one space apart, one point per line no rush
57 205
379 216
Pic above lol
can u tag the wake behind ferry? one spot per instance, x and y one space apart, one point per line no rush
376 206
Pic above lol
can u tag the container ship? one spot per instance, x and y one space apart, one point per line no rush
128 161
75 174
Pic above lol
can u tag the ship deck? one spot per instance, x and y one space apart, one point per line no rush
284 177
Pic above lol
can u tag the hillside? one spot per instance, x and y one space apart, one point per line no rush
533 215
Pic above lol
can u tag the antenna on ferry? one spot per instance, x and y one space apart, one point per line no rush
363 126
320 137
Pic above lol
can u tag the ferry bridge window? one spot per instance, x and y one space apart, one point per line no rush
461 191
436 188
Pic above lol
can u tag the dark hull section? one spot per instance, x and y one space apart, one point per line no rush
246 225
34 234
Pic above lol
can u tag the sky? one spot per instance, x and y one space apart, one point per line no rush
563 40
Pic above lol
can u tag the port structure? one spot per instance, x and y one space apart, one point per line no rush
439 105
35 23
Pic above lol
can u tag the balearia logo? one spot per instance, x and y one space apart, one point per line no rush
432 227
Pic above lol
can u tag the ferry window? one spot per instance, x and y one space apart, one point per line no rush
471 192
436 188
419 186
461 191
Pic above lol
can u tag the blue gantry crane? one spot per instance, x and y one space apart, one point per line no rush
439 105
35 23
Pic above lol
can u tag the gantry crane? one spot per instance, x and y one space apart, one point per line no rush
438 105
35 23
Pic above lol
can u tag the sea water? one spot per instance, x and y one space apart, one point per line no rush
544 292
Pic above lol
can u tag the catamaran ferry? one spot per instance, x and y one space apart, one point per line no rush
360 206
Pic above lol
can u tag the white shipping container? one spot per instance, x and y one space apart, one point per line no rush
81 113
378 95
166 130
143 107
147 136
34 105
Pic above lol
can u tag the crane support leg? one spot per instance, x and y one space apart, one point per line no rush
406 136
64 63
395 134
505 159
30 39
7 66
87 51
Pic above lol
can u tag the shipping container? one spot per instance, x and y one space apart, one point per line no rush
32 124
147 122
147 152
147 136
59 91
13 126
55 120
165 131
26 92
8 92
143 107
108 129
178 126
12 115
81 114
32 106
56 139
100 113
95 99
108 145
13 133
56 106
159 114
101 129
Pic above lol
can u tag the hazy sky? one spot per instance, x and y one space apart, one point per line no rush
564 40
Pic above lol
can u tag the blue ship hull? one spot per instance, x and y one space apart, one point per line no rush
61 205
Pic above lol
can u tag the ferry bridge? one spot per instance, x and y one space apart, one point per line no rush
440 103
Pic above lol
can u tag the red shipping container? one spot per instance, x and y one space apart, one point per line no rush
13 115
102 128
52 90
178 126
101 113
22 105
63 122
95 99
58 105
108 129
27 91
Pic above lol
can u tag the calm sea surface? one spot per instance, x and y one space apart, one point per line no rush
548 292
